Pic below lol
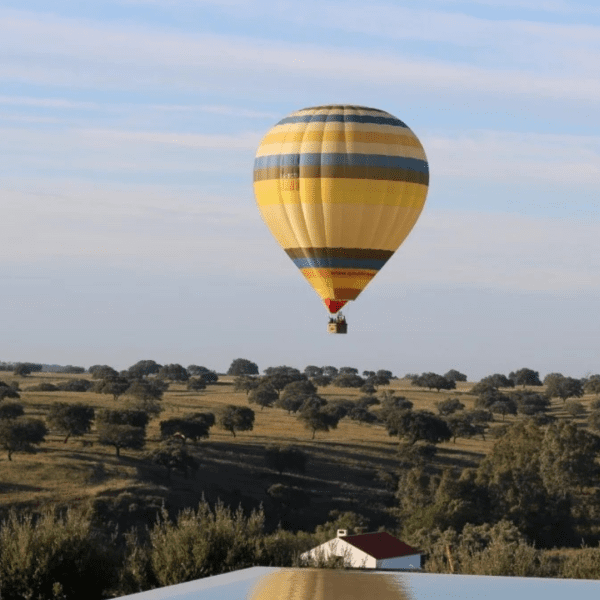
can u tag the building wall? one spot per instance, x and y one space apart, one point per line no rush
402 562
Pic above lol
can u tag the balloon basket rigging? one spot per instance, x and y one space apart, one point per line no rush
337 325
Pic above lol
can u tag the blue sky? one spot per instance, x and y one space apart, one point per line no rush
129 227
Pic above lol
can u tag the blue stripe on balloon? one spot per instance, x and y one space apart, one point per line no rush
314 159
339 118
338 263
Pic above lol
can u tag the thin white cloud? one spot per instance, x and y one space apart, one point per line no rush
516 156
60 51
46 102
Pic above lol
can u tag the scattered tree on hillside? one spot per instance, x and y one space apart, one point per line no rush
280 377
564 387
312 371
525 377
242 366
197 370
122 428
146 395
316 419
449 406
264 395
143 368
321 380
504 406
454 375
72 369
362 415
196 384
348 380
11 410
115 385
330 371
245 383
391 403
350 370
367 374
174 372
592 385
236 418
295 388
417 425
75 385
594 420
193 426
71 419
102 372
19 435
174 457
498 380
285 458
22 369
209 377
433 381
7 391
530 403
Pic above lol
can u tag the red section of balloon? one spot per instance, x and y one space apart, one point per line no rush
334 305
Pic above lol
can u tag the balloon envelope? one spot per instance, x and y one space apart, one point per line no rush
340 187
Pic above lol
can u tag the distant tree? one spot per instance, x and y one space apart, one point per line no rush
312 371
193 427
362 415
116 386
285 458
290 403
102 372
434 381
504 406
417 425
449 406
75 385
411 376
299 387
174 372
209 377
22 369
121 436
367 374
461 425
592 386
196 384
11 410
391 403
565 387
321 380
498 381
264 395
197 371
366 401
146 395
236 418
19 435
482 387
330 371
280 377
245 383
350 370
143 368
71 419
348 380
378 380
316 419
530 403
525 377
574 408
595 404
551 376
8 392
313 402
72 369
368 388
174 457
242 366
340 407
454 375
489 396
385 373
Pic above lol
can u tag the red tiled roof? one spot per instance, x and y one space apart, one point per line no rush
380 545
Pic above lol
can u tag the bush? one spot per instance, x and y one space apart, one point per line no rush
47 554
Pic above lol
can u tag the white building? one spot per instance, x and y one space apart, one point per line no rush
378 550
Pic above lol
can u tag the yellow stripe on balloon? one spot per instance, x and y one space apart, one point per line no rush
328 282
340 225
339 191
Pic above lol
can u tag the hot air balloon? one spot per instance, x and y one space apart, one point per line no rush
340 187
